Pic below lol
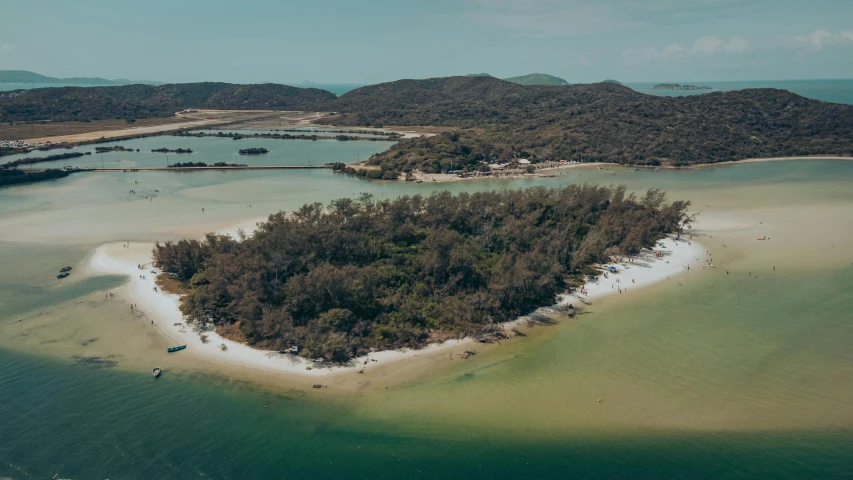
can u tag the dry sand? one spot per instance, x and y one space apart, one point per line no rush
163 308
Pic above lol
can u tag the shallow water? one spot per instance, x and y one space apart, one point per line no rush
709 375
211 150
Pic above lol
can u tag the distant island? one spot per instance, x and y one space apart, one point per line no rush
116 148
17 177
675 86
530 79
177 150
253 151
340 280
27 77
49 158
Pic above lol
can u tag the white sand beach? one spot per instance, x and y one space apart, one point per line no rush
163 308
645 269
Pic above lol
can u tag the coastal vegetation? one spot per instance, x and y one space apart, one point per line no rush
287 136
116 148
49 158
16 177
177 150
253 151
354 275
202 164
604 122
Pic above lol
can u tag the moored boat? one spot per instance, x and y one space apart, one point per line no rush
63 275
156 372
64 269
175 349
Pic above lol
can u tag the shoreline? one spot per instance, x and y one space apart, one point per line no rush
164 309
544 172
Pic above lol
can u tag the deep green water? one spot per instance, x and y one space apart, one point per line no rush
724 376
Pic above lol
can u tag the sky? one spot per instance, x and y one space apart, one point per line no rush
359 41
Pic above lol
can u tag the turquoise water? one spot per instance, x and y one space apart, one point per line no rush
835 91
80 422
697 381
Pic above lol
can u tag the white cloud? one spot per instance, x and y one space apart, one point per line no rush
815 41
703 47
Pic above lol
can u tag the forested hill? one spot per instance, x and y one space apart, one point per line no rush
471 101
595 122
146 101
339 280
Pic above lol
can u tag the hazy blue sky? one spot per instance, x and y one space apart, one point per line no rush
352 41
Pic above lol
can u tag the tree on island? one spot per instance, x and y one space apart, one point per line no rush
354 275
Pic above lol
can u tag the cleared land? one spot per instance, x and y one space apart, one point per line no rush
72 132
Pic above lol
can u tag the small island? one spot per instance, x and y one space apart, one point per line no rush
166 150
116 148
17 177
356 275
676 86
253 151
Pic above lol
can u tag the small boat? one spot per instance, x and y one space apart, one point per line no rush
63 275
763 238
64 269
584 301
176 349
156 372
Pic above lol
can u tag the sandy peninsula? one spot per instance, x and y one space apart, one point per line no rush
163 309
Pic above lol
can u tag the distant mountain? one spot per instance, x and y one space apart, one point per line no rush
617 82
25 77
61 104
537 79
530 79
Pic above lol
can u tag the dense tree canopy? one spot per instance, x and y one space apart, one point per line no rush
603 122
360 274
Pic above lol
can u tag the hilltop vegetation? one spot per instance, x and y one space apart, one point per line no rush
496 120
360 274
145 101
606 122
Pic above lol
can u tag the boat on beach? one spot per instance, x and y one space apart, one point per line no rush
176 349
584 301
65 269
63 275
156 372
